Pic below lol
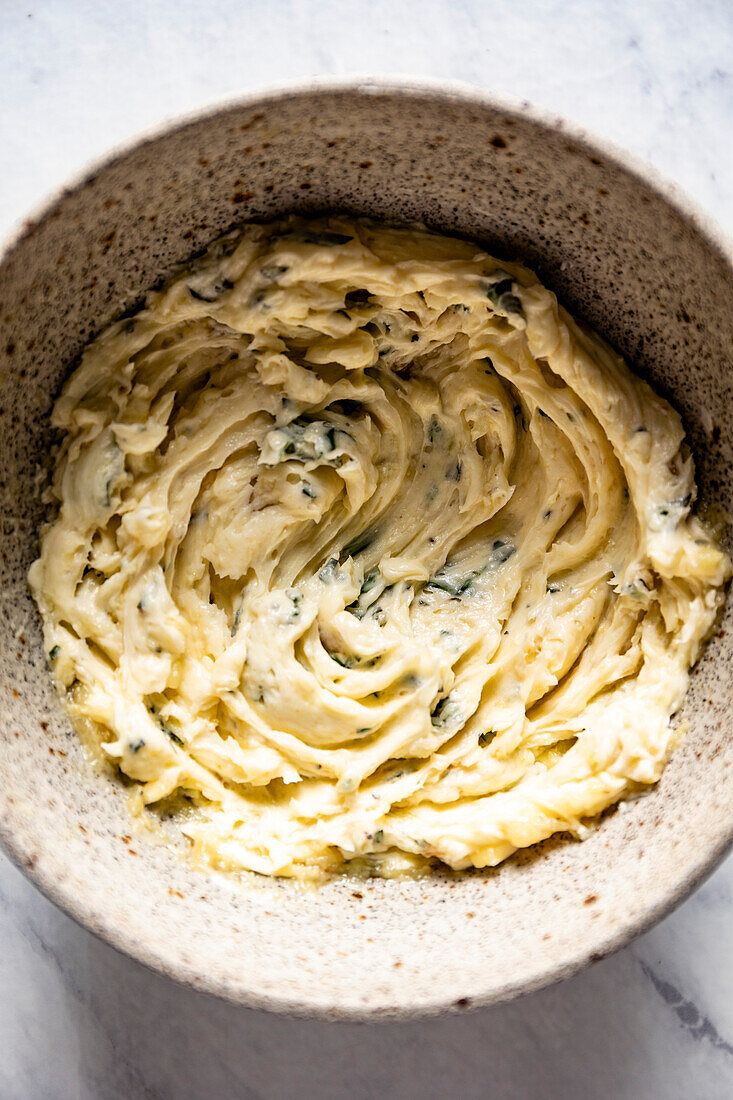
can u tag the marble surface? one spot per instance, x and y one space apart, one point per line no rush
79 1021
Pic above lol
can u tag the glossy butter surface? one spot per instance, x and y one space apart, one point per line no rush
366 550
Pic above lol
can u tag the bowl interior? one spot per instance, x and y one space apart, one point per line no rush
619 254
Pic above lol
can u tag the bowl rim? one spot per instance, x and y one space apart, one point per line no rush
74 906
462 92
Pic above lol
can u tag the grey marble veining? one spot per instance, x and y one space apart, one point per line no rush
77 1020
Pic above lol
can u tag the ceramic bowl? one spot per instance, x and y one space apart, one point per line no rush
621 250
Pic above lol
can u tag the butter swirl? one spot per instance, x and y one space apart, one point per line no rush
366 549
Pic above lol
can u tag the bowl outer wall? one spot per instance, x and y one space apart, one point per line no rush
621 252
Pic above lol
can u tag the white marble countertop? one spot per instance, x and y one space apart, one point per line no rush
77 1020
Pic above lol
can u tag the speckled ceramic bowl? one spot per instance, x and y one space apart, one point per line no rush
620 249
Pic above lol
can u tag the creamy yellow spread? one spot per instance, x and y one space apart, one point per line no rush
367 549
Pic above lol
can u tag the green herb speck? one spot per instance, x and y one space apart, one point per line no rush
328 572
